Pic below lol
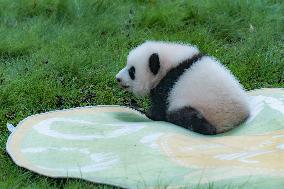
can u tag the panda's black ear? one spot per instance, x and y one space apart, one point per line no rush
154 63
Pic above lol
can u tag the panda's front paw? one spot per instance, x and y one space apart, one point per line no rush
149 115
155 116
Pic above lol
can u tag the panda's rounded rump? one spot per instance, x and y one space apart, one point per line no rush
212 90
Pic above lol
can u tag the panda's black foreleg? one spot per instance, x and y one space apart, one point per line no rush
151 114
156 113
191 119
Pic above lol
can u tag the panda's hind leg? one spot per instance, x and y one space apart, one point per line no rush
191 119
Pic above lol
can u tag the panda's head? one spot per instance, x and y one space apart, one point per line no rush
143 70
148 63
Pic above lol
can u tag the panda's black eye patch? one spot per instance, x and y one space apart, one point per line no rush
131 72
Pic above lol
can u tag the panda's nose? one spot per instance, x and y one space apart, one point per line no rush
118 79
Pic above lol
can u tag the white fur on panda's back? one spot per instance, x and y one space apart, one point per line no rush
211 89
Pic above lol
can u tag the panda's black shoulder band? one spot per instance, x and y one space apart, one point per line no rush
173 75
187 63
160 93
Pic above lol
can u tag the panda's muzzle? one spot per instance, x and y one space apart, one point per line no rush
125 86
119 81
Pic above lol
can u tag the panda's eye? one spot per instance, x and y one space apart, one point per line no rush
131 72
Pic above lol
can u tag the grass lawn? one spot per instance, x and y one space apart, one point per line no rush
57 54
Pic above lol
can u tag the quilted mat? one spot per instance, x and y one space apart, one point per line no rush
119 146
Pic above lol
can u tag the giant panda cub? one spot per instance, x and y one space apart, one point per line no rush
186 88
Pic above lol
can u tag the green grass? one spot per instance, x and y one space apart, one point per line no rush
58 54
